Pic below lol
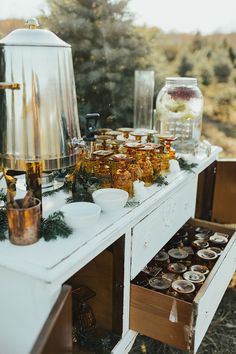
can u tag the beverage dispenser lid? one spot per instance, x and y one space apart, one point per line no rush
32 36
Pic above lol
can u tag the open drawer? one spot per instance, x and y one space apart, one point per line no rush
177 322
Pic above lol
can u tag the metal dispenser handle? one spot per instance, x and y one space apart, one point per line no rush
9 85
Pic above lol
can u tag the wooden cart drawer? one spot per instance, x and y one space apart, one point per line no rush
177 322
153 232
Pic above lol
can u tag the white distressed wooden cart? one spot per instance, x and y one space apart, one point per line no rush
35 302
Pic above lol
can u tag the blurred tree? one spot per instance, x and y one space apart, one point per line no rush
185 66
206 77
222 71
106 52
232 55
170 52
197 43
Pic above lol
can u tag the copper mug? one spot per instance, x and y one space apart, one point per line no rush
24 223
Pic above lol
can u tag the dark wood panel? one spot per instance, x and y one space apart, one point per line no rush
205 191
224 201
56 334
98 276
118 285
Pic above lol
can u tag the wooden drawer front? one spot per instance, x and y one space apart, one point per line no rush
161 317
174 321
153 232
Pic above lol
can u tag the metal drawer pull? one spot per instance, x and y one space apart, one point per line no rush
9 85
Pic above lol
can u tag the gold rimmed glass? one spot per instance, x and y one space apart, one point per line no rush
126 132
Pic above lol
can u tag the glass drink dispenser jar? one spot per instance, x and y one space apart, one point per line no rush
179 108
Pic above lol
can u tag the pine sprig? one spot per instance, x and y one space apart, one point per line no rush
84 185
3 196
184 165
160 181
55 226
3 224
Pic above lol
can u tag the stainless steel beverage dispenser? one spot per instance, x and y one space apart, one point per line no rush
38 107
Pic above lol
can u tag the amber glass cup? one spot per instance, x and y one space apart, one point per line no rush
122 178
145 164
102 169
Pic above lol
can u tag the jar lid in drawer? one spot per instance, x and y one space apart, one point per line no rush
199 268
177 268
159 283
194 277
207 254
183 286
178 253
219 238
161 256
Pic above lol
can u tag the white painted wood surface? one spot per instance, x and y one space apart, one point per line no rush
32 276
212 291
156 229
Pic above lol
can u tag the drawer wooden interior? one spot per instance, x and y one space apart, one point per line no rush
177 322
97 276
99 286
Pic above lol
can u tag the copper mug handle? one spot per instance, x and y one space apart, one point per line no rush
9 85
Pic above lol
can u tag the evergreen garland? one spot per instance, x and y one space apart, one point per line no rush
3 224
184 165
51 227
55 226
160 180
86 183
3 197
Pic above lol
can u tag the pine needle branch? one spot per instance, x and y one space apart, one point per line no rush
184 165
161 181
55 226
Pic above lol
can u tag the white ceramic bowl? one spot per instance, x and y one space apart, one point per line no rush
81 214
110 199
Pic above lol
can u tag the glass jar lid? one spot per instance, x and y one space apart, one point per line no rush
183 286
207 254
201 236
198 244
181 81
161 256
194 277
178 253
151 271
217 250
199 268
170 276
218 238
159 283
177 268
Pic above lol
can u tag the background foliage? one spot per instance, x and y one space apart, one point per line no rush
107 48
